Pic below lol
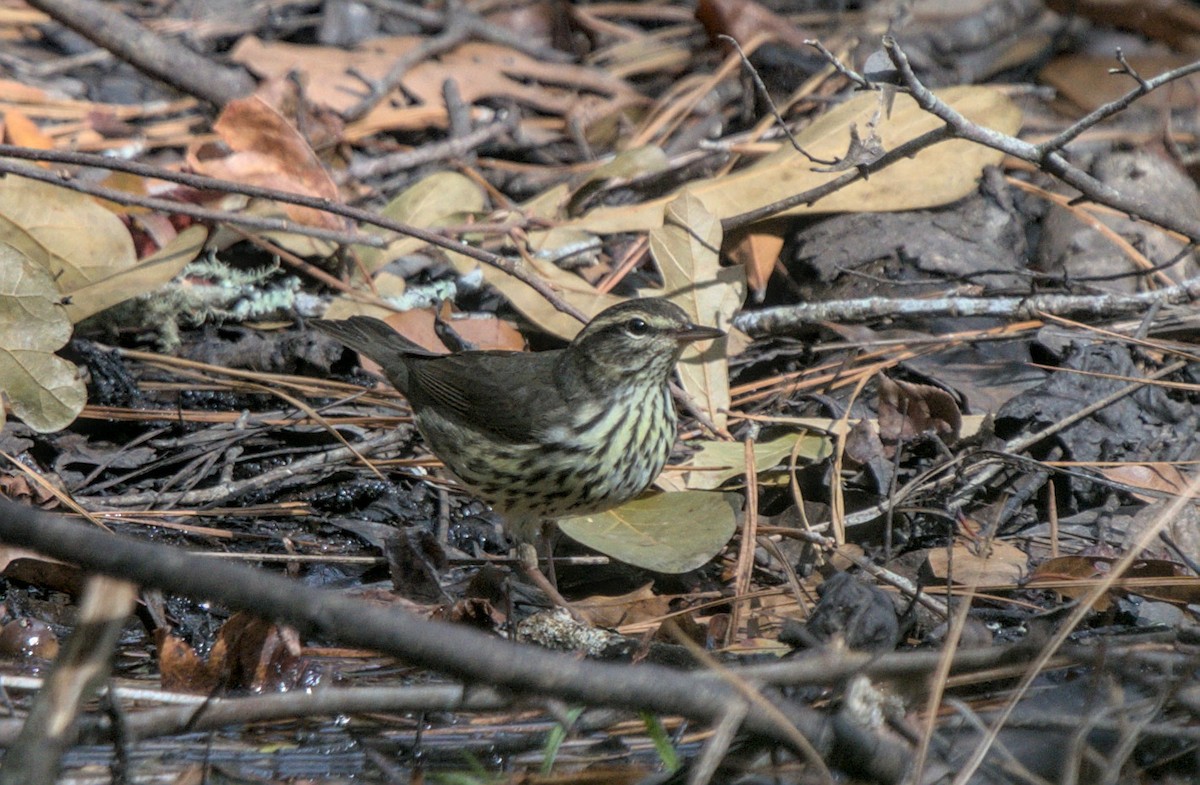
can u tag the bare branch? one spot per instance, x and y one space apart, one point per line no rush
1049 161
786 318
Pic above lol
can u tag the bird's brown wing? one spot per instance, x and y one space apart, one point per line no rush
510 395
507 394
376 339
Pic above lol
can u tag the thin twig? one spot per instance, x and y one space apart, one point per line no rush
1049 160
436 151
169 61
766 96
511 266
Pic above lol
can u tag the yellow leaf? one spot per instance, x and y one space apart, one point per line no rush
666 532
45 391
77 240
428 203
686 249
717 461
937 175
147 275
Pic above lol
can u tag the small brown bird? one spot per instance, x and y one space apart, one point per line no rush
545 435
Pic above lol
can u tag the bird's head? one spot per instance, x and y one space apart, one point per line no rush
640 338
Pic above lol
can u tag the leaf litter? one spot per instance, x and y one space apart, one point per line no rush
626 172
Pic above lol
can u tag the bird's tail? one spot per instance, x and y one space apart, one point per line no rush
375 339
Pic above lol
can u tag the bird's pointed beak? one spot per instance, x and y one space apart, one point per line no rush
696 332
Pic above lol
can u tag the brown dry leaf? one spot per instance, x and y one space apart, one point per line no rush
18 564
1084 81
1173 21
43 389
639 605
259 655
973 564
1155 579
757 250
687 249
935 176
1061 573
249 653
482 71
1162 477
1162 580
907 410
742 20
180 669
20 93
665 532
268 151
149 274
17 487
125 182
20 130
483 331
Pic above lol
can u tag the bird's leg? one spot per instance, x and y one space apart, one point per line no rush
546 536
527 555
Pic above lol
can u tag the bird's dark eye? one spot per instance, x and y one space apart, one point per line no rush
637 326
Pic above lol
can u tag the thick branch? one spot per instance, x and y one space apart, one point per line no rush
169 61
456 651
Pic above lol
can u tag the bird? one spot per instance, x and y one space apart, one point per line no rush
541 436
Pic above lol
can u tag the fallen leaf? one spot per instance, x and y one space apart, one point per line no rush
268 151
482 331
18 564
907 410
1176 23
970 564
665 532
687 250
180 668
69 234
1084 81
937 175
428 203
1161 477
484 72
249 653
743 20
757 249
44 390
639 605
1156 579
23 132
149 274
717 461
